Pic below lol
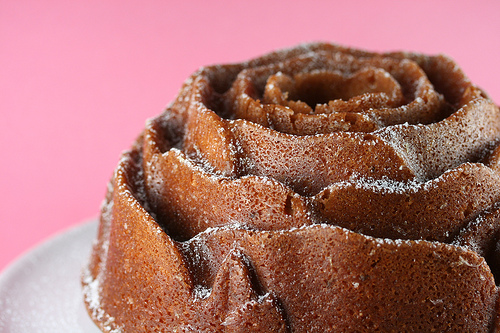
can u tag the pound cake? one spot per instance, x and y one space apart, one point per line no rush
314 189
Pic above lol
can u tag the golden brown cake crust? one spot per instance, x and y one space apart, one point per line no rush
313 189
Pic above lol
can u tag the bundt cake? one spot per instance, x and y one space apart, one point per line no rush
314 189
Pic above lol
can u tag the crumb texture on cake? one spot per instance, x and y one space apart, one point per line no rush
314 189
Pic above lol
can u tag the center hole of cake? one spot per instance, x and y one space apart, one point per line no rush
319 88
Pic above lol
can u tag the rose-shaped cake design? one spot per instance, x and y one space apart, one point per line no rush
314 189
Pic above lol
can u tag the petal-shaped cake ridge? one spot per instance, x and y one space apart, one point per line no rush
318 188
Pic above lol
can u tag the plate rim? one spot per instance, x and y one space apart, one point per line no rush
15 282
21 259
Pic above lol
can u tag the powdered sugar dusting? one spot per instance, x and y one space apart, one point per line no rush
201 292
386 185
91 292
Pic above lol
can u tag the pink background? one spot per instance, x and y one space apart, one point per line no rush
79 78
